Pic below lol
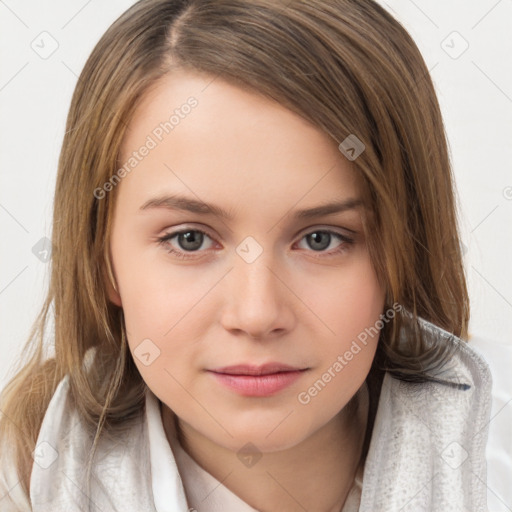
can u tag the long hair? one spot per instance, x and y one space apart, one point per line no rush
348 67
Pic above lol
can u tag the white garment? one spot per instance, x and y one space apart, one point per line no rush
427 453
204 492
498 356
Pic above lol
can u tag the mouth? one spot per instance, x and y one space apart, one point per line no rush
257 380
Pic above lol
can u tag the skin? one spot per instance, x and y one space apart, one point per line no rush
295 303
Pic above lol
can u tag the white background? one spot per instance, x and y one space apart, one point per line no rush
474 89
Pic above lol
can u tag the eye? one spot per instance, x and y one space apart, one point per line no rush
320 240
187 240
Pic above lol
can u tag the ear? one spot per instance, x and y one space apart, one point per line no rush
113 294
110 283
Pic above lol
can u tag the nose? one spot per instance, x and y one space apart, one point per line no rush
258 302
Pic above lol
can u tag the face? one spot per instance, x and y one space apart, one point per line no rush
244 312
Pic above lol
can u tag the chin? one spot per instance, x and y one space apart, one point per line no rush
268 432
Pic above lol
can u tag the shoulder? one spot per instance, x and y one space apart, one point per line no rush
60 472
498 354
427 450
59 480
12 495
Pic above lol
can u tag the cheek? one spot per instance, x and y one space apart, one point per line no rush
157 296
161 303
165 322
350 303
352 307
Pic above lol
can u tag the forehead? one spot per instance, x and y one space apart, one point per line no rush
209 137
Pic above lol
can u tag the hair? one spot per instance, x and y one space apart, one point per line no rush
346 66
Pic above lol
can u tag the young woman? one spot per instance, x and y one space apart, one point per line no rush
257 285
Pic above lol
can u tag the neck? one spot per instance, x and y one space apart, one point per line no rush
324 465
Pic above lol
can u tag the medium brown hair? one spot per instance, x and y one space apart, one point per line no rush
347 67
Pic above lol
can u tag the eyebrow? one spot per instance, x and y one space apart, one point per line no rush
183 203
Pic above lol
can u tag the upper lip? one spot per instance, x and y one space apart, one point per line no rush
250 369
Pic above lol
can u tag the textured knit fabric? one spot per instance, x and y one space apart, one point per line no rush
427 453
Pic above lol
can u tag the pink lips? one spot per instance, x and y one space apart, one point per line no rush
251 380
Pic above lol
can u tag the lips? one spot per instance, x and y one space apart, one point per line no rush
257 380
265 369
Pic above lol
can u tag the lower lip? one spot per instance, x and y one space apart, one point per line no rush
258 385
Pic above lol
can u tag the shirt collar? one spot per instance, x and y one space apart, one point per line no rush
171 463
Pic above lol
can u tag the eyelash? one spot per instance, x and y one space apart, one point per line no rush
164 241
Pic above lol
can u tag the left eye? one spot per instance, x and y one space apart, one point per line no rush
321 240
190 241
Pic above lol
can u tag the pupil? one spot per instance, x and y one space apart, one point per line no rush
191 240
317 242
